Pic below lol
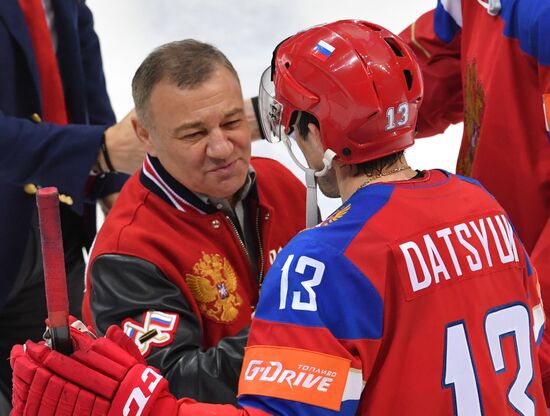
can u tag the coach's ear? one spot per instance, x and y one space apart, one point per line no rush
142 132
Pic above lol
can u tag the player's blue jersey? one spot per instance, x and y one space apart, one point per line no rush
413 298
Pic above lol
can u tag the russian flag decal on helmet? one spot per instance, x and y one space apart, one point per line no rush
323 50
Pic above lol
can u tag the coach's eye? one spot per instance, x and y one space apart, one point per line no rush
232 124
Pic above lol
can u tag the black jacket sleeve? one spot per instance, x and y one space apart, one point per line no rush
127 287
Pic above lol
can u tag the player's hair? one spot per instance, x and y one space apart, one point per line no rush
186 63
369 168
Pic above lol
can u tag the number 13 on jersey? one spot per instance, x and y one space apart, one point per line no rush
301 301
459 371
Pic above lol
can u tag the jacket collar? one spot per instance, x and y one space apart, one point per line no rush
156 179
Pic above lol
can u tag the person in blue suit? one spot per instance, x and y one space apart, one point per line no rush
35 154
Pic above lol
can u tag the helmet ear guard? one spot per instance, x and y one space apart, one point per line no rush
304 98
291 88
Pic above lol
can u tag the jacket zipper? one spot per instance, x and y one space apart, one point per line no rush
261 276
243 246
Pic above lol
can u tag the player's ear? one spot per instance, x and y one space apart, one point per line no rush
313 131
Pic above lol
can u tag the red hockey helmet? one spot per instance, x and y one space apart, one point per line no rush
359 80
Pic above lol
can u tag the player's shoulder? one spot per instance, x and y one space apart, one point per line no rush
316 260
341 227
473 185
467 179
527 14
529 22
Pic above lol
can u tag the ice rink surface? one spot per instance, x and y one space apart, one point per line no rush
246 31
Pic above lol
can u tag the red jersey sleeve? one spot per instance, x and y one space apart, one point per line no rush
541 251
441 70
541 260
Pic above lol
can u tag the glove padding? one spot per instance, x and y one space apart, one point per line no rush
103 376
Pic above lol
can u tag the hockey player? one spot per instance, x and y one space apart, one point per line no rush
487 63
415 297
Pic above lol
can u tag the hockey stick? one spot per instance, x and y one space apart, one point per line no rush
55 279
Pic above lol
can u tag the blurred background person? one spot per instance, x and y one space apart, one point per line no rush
488 64
57 129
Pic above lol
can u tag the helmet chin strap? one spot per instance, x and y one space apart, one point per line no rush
493 6
312 217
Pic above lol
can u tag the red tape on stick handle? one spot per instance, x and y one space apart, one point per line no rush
55 279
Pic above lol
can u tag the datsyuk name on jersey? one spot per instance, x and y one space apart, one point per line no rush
457 251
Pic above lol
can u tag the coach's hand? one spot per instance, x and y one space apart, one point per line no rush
103 376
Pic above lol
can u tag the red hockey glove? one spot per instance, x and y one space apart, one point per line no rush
103 376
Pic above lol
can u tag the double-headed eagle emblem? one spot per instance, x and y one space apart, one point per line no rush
214 286
335 216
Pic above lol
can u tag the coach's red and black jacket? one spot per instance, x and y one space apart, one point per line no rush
174 273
